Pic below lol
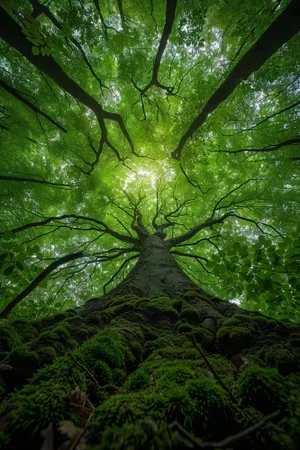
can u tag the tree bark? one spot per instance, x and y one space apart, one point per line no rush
155 274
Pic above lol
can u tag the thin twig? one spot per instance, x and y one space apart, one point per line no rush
229 439
198 347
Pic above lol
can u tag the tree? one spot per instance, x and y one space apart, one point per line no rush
149 171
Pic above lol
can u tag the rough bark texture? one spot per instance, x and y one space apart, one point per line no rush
155 274
130 371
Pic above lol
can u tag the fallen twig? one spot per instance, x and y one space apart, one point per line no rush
229 439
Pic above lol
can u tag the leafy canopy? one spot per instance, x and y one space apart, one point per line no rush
95 99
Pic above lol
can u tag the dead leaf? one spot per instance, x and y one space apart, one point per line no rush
81 404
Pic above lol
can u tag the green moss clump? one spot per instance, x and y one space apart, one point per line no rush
102 371
202 335
38 405
185 328
284 357
47 355
139 379
234 339
178 304
126 408
190 314
180 406
9 338
262 388
143 435
106 346
158 308
24 359
25 329
213 407
169 374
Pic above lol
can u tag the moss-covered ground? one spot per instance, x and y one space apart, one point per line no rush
149 374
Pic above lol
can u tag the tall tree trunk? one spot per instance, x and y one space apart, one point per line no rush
156 273
155 364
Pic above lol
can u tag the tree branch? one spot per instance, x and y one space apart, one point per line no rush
268 148
32 180
11 32
191 233
279 32
30 105
105 229
38 280
39 9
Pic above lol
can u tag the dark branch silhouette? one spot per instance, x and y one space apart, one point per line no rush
38 280
11 32
170 17
32 180
265 119
104 229
279 32
18 96
39 9
268 148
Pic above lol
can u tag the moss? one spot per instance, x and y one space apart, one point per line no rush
230 322
284 357
178 305
159 308
138 380
155 344
47 355
142 435
294 339
126 408
261 388
213 407
118 376
173 353
190 314
234 339
46 397
102 371
25 329
95 318
268 436
259 322
38 405
177 373
106 346
180 406
24 359
185 328
205 337
9 338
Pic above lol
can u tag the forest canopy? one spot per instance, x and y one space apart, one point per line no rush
187 110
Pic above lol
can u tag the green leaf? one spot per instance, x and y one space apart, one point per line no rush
35 50
9 270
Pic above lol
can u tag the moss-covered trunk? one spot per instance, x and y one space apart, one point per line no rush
150 373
